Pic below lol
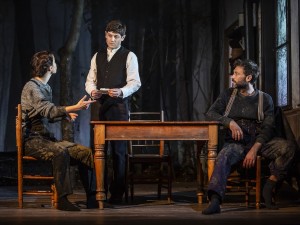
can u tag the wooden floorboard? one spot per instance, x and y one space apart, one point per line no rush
147 209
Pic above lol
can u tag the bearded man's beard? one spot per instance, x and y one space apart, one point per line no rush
240 85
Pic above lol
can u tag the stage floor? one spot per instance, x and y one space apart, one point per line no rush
146 209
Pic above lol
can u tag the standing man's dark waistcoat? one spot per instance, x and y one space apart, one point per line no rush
112 74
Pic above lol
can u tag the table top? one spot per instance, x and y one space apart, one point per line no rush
157 122
170 130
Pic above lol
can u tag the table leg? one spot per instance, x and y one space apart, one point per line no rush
212 147
99 160
200 173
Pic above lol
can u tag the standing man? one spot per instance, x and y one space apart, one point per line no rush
38 111
112 78
246 136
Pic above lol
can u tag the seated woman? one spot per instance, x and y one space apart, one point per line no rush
37 111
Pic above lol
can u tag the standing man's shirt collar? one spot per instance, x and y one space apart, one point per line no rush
110 53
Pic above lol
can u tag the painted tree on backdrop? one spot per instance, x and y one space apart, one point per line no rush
66 53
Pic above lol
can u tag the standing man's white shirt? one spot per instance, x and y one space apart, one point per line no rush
132 69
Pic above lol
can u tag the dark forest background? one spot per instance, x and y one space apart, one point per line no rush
177 43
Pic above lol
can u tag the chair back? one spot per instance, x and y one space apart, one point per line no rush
146 146
19 136
19 143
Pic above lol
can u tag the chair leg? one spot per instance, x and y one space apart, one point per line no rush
159 188
170 181
258 181
54 197
169 193
247 193
20 193
20 179
159 185
126 193
131 190
126 189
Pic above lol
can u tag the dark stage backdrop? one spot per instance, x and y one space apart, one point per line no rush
176 41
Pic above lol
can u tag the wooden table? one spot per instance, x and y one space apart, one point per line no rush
124 130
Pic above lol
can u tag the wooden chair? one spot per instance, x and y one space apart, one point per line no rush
148 153
249 180
22 189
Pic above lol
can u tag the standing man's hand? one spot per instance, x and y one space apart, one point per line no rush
96 94
236 131
115 92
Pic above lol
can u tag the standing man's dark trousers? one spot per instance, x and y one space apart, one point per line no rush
116 110
278 150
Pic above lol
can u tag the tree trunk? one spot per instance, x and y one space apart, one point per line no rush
66 53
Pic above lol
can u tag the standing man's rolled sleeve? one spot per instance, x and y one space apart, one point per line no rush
91 80
133 78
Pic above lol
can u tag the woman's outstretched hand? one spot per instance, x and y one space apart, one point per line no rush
81 104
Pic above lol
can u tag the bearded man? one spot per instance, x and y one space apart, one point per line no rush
246 135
